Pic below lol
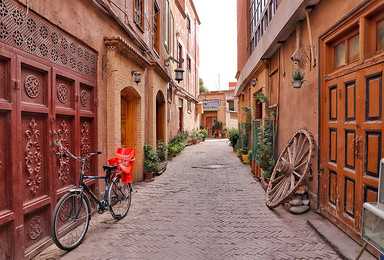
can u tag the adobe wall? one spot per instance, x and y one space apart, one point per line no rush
299 107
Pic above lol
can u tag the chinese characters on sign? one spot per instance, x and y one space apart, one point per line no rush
212 104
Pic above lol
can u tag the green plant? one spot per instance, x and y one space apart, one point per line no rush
194 134
244 150
297 75
225 129
261 97
246 126
249 156
204 133
217 125
151 160
264 148
161 151
233 136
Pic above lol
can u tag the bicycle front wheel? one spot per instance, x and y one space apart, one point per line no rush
70 220
119 198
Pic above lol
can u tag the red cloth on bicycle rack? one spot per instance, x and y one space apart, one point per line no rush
124 159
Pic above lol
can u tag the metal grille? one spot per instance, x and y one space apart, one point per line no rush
31 34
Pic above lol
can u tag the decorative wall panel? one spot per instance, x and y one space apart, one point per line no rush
33 35
34 172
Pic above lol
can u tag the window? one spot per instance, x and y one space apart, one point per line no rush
380 35
166 24
139 13
169 93
339 54
156 31
231 105
353 48
171 21
189 64
179 54
188 24
189 109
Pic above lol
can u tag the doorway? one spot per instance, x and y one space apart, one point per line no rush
128 119
160 117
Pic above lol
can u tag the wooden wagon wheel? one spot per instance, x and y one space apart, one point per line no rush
290 169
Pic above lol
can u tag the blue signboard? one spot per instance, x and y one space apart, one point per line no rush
212 104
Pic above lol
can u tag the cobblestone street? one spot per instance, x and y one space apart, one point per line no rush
206 205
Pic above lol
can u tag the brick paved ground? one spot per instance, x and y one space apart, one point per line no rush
202 207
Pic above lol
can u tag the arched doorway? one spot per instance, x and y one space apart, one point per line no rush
128 118
160 117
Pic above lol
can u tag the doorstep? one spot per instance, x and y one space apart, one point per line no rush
345 246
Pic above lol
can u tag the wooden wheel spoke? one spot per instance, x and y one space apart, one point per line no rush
277 179
283 189
277 185
303 156
292 181
299 147
300 165
289 155
274 194
297 174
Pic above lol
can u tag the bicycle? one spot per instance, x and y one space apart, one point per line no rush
71 216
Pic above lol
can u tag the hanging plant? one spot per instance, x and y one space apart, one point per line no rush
297 78
261 97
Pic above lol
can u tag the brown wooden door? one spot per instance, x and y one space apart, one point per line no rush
351 145
209 125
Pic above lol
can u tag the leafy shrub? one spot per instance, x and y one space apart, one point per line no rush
233 136
203 133
264 148
151 160
161 151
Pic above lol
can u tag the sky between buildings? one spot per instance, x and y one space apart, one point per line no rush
218 42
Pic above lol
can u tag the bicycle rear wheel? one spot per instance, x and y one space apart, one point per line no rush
119 198
70 220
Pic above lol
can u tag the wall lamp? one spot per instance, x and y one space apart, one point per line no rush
254 81
136 76
178 71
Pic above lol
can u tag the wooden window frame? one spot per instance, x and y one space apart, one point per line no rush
377 50
156 28
346 39
189 67
138 13
166 25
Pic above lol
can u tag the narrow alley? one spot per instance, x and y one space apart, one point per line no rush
201 207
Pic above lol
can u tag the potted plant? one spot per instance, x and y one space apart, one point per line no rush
225 132
249 157
264 148
194 135
162 154
151 160
204 133
244 153
297 78
261 97
233 137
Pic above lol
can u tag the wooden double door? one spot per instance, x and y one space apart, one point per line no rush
36 99
351 145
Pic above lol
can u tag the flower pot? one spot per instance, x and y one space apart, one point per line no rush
297 83
194 141
245 159
262 100
148 176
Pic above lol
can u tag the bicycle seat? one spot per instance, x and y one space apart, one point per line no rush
109 167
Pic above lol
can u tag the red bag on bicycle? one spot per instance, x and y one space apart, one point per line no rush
124 159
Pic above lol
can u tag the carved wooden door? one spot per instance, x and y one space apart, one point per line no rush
47 83
351 145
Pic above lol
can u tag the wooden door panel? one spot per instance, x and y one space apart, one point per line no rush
370 194
35 165
373 97
349 147
87 97
333 103
350 101
349 197
333 145
65 92
332 188
36 228
5 79
372 154
6 241
64 170
34 85
5 170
